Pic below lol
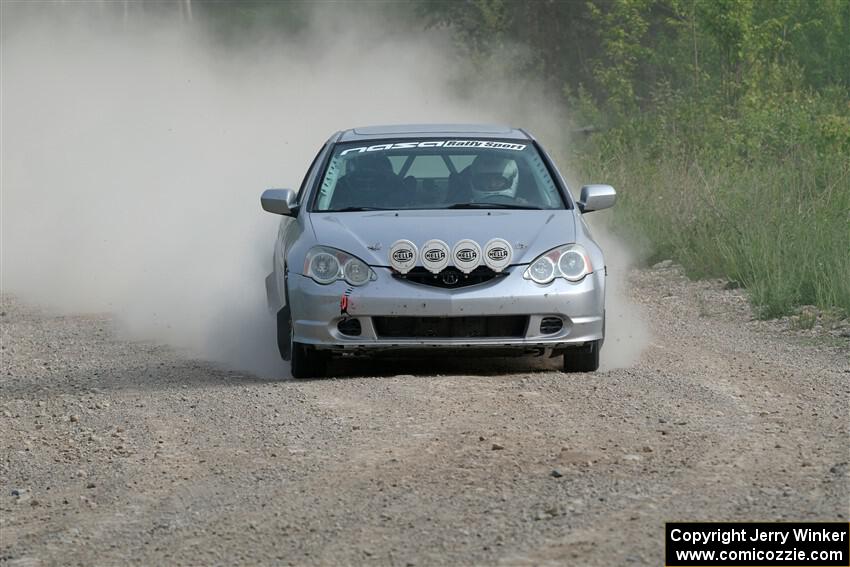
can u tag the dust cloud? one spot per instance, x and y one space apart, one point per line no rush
133 157
627 333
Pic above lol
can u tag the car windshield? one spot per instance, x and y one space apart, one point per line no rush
437 174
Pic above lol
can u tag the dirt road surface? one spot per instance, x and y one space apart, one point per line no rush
125 453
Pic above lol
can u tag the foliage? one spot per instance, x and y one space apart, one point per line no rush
725 126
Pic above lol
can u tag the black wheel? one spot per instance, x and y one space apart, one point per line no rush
304 360
307 362
284 333
583 359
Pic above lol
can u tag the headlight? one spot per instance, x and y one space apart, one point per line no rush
327 265
542 270
324 268
570 261
572 265
356 272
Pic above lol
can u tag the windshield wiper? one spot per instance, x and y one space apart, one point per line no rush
492 206
354 209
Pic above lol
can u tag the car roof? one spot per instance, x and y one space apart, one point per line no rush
431 131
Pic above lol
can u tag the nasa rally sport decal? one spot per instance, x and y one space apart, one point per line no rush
435 255
491 144
498 254
403 255
466 255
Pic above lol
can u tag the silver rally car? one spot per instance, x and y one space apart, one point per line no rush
416 237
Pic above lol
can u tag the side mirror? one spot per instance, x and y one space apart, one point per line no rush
279 201
596 197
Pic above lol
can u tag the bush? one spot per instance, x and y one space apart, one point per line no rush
763 199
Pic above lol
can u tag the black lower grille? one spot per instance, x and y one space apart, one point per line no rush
449 277
497 326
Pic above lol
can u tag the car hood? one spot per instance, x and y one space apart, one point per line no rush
369 235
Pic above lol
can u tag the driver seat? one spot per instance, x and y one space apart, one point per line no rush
369 182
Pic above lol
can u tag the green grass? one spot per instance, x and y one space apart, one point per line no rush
779 226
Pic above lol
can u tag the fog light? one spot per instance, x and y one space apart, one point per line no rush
350 327
550 325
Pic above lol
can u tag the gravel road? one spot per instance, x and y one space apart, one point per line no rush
116 452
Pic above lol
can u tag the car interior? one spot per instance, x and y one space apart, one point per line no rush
421 181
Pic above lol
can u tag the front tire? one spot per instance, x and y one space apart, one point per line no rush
284 334
307 362
304 360
583 359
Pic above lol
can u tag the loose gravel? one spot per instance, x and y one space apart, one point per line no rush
116 452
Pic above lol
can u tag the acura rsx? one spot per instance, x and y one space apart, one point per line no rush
407 238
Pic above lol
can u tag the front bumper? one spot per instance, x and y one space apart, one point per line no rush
317 309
